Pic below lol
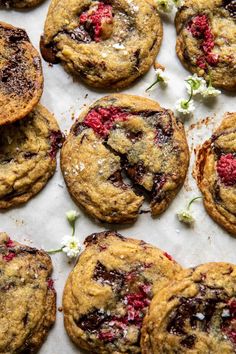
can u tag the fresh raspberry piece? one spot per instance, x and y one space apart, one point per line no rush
226 169
200 29
8 257
56 140
9 243
107 336
101 119
95 17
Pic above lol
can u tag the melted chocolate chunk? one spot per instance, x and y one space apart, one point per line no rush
117 180
81 34
230 5
137 59
188 341
78 128
48 51
135 172
158 182
110 277
28 155
56 140
14 35
95 238
92 321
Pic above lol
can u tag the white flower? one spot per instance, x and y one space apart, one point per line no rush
70 246
161 76
165 5
184 106
210 91
72 215
186 217
160 79
195 84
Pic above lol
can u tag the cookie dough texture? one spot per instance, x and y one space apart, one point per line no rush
104 306
219 195
127 47
194 315
21 78
221 16
19 4
27 297
124 134
27 156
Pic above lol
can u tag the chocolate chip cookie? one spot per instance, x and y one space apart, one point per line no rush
196 314
108 44
206 40
27 156
123 134
27 297
104 306
215 173
21 78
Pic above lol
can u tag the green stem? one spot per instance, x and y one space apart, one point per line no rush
154 83
192 201
55 251
191 96
73 229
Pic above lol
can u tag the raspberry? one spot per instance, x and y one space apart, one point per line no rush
200 29
50 283
101 119
95 17
8 257
9 243
226 169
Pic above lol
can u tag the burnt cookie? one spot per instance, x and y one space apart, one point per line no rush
21 78
19 4
27 156
204 46
215 173
104 306
28 299
196 314
108 44
123 134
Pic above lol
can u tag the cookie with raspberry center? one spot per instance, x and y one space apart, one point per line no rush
123 135
104 307
107 44
215 173
203 45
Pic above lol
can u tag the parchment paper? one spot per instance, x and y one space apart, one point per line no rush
42 223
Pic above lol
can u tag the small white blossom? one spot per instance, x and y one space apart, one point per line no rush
165 5
72 215
195 84
185 217
184 106
161 76
210 91
70 246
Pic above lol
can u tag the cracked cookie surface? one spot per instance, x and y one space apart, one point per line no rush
21 78
104 306
123 134
27 156
206 40
215 173
27 297
195 314
108 44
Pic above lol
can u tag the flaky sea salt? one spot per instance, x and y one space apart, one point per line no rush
118 46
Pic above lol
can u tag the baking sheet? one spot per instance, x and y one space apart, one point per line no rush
42 223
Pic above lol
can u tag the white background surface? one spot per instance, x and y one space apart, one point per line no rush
42 223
